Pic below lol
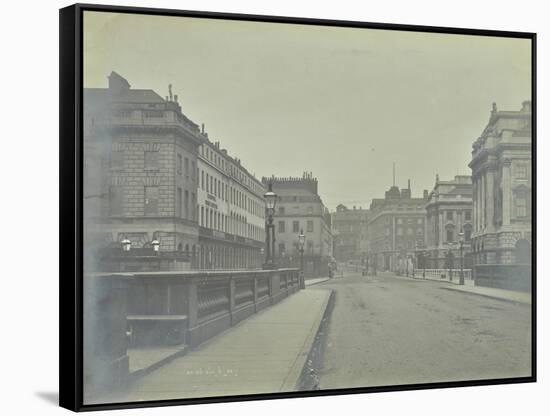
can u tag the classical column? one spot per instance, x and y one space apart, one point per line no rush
442 234
475 202
506 191
490 198
482 192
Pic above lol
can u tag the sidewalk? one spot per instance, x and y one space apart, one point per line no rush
265 353
149 358
490 292
316 280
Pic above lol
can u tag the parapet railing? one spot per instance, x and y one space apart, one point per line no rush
448 275
147 309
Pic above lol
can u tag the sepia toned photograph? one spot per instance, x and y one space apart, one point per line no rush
278 207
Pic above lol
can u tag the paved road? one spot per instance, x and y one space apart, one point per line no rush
389 330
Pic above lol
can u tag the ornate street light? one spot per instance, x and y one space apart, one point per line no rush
301 243
156 245
461 240
270 199
126 244
270 202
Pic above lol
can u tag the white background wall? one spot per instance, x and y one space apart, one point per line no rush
29 138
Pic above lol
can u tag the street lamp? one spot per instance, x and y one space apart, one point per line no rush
461 239
270 202
156 245
424 260
301 243
126 244
415 257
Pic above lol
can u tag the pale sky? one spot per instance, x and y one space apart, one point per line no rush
343 103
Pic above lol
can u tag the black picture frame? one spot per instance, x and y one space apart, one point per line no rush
71 197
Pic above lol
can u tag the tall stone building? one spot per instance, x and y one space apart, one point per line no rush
133 140
299 207
502 186
231 211
396 228
449 213
152 176
349 227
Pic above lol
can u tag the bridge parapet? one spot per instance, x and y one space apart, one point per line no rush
145 309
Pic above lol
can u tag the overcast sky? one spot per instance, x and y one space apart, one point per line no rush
342 103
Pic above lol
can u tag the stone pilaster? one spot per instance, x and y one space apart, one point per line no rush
506 192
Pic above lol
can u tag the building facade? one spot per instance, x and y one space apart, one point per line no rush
133 139
396 229
299 207
449 213
349 227
151 175
231 211
502 186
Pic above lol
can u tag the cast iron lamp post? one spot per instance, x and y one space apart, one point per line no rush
270 202
301 243
461 239
424 260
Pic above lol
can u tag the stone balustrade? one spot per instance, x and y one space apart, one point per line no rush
144 309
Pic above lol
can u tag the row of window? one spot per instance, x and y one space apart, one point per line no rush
185 207
228 257
281 228
185 202
228 193
233 223
151 161
449 215
410 231
309 210
219 161
183 167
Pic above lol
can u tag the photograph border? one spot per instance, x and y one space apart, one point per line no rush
71 197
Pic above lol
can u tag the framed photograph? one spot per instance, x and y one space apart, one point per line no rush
256 207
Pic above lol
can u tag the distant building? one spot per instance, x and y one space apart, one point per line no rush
449 212
502 186
299 207
396 228
349 227
231 211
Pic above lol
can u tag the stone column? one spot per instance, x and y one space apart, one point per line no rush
490 199
442 234
482 192
474 203
506 192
